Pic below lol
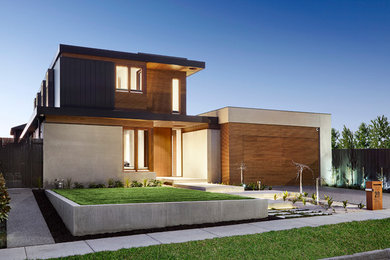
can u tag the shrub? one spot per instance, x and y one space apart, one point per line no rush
135 184
285 195
68 183
330 202
305 194
118 184
110 183
269 187
295 199
345 204
4 200
92 185
39 182
154 183
304 201
145 182
127 183
275 196
78 185
251 186
314 197
361 205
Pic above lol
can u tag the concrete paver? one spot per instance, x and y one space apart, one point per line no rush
13 253
181 236
116 243
58 250
26 225
234 230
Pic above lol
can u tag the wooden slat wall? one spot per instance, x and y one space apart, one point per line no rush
160 90
267 151
162 149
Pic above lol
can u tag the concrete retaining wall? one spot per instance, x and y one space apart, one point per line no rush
95 219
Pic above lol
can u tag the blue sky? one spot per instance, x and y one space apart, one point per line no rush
316 56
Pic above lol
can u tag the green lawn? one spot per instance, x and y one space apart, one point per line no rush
140 195
302 243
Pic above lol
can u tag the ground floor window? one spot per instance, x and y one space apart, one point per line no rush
136 149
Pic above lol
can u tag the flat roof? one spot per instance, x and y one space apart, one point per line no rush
265 109
147 57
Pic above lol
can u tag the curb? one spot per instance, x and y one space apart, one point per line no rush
376 254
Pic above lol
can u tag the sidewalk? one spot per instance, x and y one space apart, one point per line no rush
115 243
26 225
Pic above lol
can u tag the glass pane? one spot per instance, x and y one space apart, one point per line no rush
128 153
136 79
142 149
122 73
175 95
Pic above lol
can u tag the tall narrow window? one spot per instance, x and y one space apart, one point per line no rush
175 95
142 149
136 79
128 153
122 74
135 149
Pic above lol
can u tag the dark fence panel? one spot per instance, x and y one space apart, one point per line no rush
21 163
355 166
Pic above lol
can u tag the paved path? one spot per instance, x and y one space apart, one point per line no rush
338 194
26 225
115 243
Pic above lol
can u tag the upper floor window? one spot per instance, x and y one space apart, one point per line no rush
124 73
175 95
136 79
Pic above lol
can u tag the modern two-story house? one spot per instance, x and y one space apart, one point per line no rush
107 114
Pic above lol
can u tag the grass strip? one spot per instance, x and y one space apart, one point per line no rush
140 195
302 243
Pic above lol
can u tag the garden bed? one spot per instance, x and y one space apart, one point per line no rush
140 195
153 211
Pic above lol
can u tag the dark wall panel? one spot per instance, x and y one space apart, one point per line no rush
87 83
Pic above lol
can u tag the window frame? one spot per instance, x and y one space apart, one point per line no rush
142 89
178 96
149 146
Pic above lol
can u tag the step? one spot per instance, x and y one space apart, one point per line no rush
172 180
209 187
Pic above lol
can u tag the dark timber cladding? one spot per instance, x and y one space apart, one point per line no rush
87 83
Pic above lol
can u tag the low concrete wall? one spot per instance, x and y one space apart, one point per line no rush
95 219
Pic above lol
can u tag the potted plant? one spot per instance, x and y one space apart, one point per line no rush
4 210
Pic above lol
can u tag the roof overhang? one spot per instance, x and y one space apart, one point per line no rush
153 61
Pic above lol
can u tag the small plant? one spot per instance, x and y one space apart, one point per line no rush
300 196
285 195
330 202
361 205
275 196
326 197
110 183
314 197
78 185
39 183
59 183
100 185
304 201
154 183
345 204
305 194
145 182
118 184
4 200
92 185
127 183
269 187
135 184
295 199
68 183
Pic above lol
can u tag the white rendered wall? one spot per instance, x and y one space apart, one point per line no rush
201 155
288 118
85 153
